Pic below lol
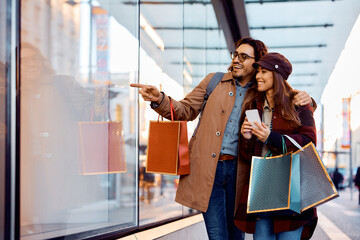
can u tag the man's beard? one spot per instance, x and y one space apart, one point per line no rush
237 76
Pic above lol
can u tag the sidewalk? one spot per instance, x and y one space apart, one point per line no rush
339 219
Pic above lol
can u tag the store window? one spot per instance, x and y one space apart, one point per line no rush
3 41
161 57
78 152
178 42
83 138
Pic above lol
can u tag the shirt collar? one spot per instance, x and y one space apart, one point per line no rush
248 85
228 76
266 105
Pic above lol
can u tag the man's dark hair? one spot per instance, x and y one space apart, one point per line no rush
259 47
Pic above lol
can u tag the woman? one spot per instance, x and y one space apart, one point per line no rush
275 103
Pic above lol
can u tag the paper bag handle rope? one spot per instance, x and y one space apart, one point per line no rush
108 110
92 113
172 112
294 142
269 154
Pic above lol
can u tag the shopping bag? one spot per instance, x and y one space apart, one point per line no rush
316 186
275 184
102 147
168 147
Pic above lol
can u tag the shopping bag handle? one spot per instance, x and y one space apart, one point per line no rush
161 118
294 142
172 110
269 153
108 108
92 113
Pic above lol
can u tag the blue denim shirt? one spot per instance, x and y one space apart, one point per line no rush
231 135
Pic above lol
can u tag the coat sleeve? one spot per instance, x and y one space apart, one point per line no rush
188 108
303 135
247 148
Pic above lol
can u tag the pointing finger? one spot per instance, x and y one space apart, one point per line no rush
137 85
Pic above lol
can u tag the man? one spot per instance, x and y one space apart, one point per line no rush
211 185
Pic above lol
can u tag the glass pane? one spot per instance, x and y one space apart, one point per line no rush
217 53
195 29
78 135
3 40
161 65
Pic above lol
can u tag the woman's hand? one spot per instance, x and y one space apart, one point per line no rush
246 128
262 132
148 92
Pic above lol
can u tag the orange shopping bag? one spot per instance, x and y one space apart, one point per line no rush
168 147
102 147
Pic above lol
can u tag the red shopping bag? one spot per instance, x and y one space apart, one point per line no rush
168 147
102 147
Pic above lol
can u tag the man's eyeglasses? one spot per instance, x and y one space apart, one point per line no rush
241 56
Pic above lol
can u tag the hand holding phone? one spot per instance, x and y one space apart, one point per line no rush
253 116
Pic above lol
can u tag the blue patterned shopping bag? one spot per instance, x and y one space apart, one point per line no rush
275 184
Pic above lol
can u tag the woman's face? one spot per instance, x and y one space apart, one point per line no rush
265 79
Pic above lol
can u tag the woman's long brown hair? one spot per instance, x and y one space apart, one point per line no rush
284 97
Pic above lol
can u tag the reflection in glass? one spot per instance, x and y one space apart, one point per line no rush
2 143
77 112
157 192
77 139
4 40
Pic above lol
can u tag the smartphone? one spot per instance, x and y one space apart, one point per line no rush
253 116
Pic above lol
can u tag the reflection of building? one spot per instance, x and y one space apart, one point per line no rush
54 27
195 39
2 31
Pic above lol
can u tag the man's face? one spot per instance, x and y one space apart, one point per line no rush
31 64
244 70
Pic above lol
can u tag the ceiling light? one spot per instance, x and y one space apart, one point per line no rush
152 33
188 64
187 76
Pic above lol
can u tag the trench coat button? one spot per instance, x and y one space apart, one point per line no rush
217 133
231 94
213 155
222 111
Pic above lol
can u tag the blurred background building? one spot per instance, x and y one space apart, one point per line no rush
65 70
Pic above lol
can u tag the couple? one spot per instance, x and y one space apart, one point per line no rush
221 149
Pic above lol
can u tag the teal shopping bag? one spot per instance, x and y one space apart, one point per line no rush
316 186
275 184
295 193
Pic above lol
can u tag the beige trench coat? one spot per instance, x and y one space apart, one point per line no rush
195 189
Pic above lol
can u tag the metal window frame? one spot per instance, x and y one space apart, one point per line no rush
234 24
12 169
